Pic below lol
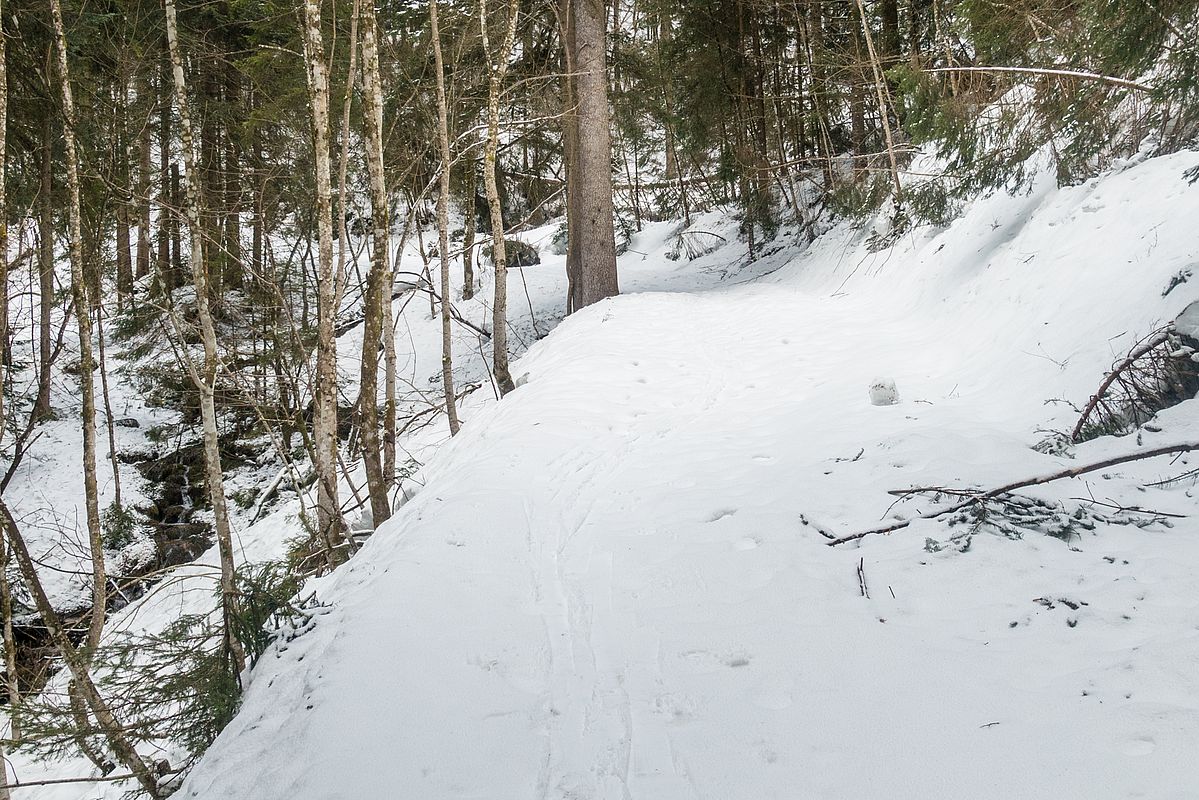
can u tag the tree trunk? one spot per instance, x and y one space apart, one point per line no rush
165 187
592 255
329 522
110 423
469 223
497 66
124 192
443 225
45 234
75 662
83 318
389 384
142 266
10 649
176 203
5 355
234 268
12 686
889 41
205 379
372 328
882 94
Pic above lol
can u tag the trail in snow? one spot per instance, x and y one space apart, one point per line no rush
612 586
607 588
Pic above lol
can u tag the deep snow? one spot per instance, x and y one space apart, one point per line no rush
613 584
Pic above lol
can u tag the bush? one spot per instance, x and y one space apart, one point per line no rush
118 525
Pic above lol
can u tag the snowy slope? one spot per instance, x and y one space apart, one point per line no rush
612 584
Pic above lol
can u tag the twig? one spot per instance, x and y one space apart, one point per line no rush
1128 509
1065 73
1073 472
862 579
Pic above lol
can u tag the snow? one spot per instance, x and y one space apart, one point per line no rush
615 582
1188 321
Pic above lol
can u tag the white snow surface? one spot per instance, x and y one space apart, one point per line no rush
614 585
606 588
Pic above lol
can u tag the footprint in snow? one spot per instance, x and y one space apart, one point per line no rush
1141 746
721 514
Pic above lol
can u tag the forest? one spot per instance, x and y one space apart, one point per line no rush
438 356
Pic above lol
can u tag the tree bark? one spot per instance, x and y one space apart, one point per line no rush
205 378
497 68
372 328
882 93
10 651
12 685
83 318
443 225
145 100
5 355
45 233
165 187
124 191
469 223
591 258
329 522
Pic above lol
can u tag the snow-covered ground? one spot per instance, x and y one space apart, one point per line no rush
606 588
614 583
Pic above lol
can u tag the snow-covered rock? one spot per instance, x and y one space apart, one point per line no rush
883 392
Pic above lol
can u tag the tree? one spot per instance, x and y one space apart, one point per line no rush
443 223
497 68
205 378
329 523
377 293
83 310
591 257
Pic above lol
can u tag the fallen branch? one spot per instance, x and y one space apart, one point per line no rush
1155 340
1062 73
974 496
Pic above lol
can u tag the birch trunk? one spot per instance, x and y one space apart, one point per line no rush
205 378
83 311
443 225
328 509
372 326
497 67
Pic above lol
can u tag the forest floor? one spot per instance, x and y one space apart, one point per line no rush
616 583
